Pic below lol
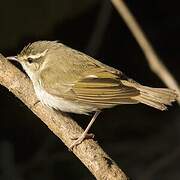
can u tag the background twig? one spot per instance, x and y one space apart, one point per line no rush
89 152
154 61
100 28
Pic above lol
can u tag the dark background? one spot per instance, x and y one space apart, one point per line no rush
143 141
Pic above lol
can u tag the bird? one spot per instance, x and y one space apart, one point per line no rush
68 80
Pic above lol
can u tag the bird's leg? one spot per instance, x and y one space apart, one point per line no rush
85 133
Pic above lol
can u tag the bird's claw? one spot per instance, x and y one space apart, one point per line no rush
80 139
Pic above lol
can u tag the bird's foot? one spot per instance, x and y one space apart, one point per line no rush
80 139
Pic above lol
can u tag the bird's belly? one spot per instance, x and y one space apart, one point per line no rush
61 103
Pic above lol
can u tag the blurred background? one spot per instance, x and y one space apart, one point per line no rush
143 141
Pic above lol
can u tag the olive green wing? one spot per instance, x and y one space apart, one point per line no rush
99 88
103 91
85 80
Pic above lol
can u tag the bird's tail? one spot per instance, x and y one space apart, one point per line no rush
154 97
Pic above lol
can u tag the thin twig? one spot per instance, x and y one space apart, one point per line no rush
89 152
154 61
100 27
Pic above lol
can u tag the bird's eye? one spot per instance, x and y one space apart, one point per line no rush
29 60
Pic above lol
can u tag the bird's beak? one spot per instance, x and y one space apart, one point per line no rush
12 58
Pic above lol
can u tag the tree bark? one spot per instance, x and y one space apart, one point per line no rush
89 152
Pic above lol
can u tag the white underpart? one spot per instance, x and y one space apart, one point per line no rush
61 103
54 101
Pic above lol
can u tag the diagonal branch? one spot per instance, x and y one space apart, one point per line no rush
154 61
89 152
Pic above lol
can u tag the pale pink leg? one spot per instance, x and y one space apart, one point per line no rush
85 133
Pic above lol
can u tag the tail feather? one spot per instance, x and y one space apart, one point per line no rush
156 97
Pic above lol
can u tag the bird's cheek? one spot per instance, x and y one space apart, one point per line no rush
35 66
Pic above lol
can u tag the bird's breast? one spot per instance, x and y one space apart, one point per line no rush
62 104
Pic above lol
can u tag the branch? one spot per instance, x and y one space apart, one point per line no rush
89 152
154 61
100 28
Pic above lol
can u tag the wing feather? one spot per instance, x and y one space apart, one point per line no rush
104 92
84 80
